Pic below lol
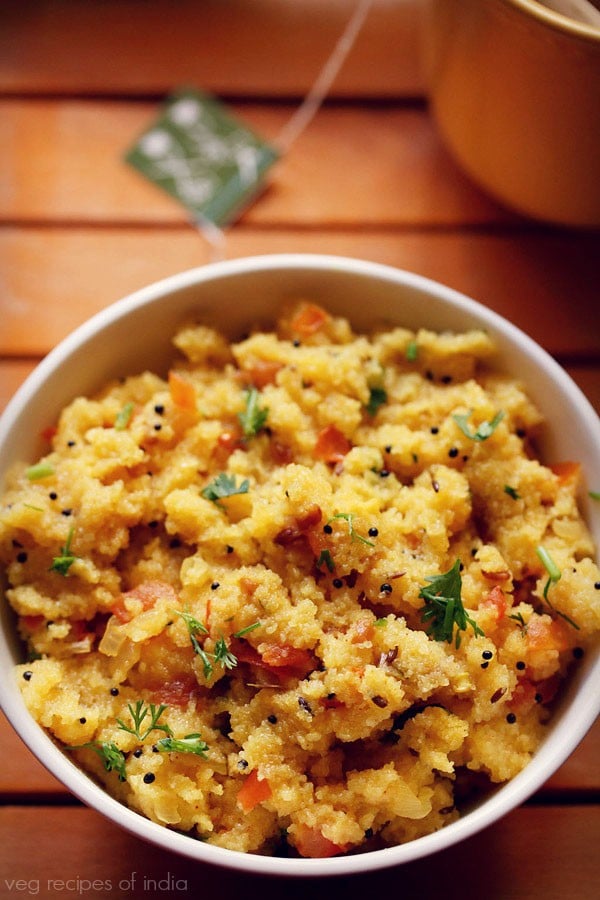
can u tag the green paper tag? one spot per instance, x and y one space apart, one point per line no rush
200 154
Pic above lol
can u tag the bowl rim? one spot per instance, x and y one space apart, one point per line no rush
576 722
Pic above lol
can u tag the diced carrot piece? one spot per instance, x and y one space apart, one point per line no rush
147 594
331 445
262 372
547 634
309 319
311 843
182 391
362 631
566 471
254 790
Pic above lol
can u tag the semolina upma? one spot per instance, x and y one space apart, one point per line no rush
305 593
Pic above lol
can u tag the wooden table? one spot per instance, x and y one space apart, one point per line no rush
369 178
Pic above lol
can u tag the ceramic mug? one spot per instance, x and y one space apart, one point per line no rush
515 90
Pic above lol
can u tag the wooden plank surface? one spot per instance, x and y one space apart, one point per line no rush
240 47
354 166
52 279
556 859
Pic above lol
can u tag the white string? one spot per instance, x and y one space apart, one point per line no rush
318 92
303 116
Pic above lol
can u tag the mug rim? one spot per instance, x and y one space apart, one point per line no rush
555 20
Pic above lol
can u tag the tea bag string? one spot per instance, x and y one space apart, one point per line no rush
304 114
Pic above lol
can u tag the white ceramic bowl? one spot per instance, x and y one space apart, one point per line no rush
134 334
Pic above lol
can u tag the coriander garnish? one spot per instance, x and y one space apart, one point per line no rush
63 562
355 536
123 417
512 492
325 557
444 608
109 753
377 397
222 654
554 575
139 713
191 743
483 431
224 485
412 351
254 417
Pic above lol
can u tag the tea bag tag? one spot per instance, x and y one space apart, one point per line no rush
205 158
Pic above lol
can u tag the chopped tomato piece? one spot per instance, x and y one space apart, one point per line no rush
32 622
279 660
523 696
309 319
79 629
253 791
527 693
496 601
262 372
147 594
48 433
281 454
299 526
566 471
311 843
229 440
182 391
177 692
547 634
278 655
331 445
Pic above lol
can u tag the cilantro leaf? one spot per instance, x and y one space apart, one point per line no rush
444 608
123 417
191 743
325 557
377 397
512 492
63 562
224 485
254 416
412 351
109 753
483 431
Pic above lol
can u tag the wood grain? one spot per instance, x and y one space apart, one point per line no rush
53 279
355 166
555 858
242 47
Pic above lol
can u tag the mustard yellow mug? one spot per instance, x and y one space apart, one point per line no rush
514 88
